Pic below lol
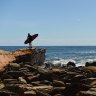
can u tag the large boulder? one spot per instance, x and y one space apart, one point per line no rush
90 63
71 64
22 55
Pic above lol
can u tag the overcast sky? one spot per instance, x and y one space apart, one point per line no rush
58 22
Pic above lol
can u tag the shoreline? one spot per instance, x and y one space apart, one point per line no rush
28 75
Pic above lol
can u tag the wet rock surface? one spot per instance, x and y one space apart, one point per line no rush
27 76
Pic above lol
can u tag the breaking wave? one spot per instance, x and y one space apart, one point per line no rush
65 61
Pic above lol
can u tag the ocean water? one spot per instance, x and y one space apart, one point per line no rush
77 54
63 54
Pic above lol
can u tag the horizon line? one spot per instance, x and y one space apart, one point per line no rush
46 45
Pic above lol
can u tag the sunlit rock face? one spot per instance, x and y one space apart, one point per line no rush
32 55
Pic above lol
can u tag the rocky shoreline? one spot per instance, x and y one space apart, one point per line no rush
23 73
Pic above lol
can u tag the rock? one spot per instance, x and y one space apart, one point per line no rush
91 68
57 71
71 64
82 87
10 81
58 90
90 64
42 71
33 78
26 77
22 80
22 55
87 64
2 70
14 66
15 74
47 65
57 83
89 81
58 95
27 65
19 88
87 93
24 70
33 69
2 85
37 83
44 88
39 93
78 78
71 74
93 83
7 93
6 76
41 83
93 89
5 58
44 74
45 82
12 87
30 93
41 56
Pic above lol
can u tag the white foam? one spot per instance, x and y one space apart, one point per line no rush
90 60
83 62
78 62
62 61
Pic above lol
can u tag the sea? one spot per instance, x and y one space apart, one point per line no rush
63 54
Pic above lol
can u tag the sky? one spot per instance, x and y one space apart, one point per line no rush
58 22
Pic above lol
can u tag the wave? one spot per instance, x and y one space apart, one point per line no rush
65 61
